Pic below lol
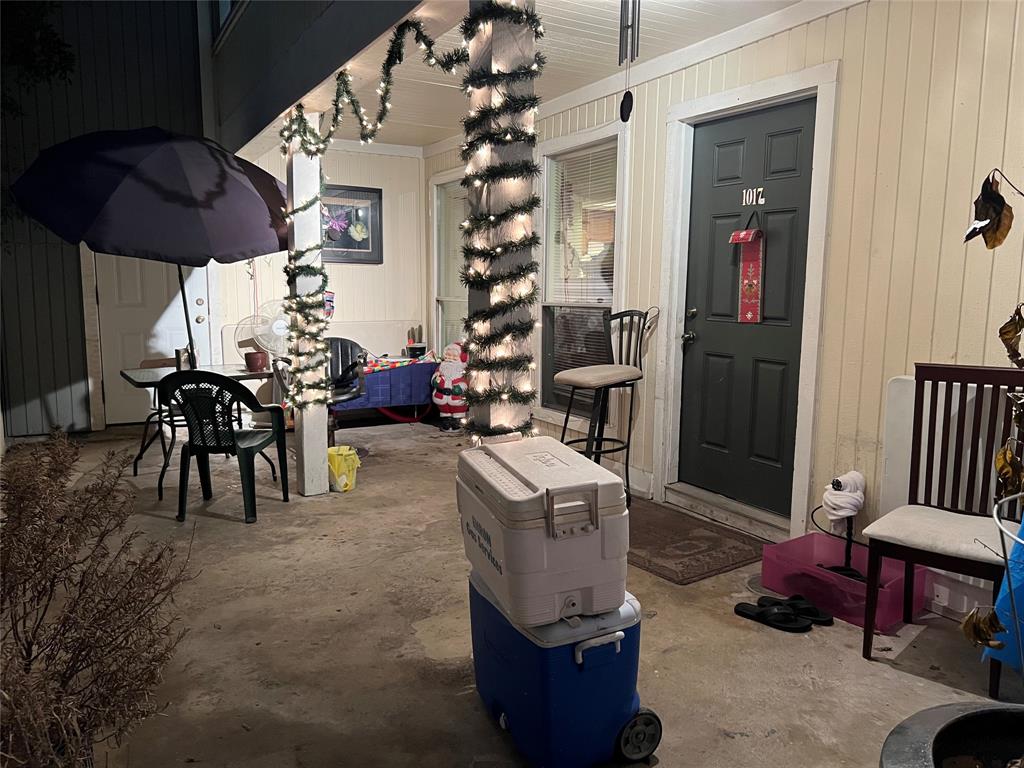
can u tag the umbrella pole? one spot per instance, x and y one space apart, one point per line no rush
188 323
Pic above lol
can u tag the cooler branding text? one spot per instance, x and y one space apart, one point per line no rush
479 534
547 459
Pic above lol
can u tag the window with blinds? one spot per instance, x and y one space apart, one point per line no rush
452 304
579 266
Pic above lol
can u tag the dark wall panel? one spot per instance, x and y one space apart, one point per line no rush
278 50
136 64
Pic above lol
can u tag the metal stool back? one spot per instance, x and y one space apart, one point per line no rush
625 333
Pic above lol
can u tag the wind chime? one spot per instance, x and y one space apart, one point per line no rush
629 47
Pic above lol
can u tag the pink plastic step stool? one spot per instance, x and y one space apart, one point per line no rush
792 567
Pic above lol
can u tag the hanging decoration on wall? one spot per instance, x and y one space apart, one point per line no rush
1010 334
629 45
308 348
499 236
751 242
992 214
993 218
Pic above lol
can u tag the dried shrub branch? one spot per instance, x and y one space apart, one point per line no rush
86 625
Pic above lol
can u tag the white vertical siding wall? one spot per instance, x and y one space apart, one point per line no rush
374 304
931 97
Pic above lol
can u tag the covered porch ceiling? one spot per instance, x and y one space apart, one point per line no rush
580 43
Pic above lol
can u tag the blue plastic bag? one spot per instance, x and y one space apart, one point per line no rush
1014 579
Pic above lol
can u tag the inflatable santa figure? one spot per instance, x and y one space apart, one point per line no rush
449 384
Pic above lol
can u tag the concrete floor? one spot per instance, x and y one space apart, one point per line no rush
334 632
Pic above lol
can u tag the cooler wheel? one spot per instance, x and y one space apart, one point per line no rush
639 738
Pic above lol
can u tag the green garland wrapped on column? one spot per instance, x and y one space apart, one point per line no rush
306 336
498 150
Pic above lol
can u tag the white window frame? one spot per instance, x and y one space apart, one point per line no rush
445 177
546 151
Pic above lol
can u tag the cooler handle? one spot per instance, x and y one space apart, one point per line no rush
594 642
586 488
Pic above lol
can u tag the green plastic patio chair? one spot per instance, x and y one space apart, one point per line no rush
207 402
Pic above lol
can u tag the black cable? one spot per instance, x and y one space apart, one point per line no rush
827 533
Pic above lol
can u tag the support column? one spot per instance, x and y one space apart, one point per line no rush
304 232
499 230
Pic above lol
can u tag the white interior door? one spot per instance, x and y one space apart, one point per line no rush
141 318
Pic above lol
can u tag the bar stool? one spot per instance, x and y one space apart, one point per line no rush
625 370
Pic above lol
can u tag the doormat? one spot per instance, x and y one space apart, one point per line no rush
682 548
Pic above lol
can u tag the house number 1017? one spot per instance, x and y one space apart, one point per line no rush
753 196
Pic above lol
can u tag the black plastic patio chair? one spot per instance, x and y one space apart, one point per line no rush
207 401
345 369
347 378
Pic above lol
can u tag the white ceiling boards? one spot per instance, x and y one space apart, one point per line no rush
580 43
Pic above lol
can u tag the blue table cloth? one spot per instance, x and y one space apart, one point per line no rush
405 385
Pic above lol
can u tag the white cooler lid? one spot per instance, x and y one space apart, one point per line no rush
514 477
574 630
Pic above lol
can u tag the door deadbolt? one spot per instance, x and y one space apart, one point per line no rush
691 312
200 301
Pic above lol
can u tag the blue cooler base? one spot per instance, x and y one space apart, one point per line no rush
560 714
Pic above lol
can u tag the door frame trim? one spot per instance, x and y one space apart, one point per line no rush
822 82
435 181
93 342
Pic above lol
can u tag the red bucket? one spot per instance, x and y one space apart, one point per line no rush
798 567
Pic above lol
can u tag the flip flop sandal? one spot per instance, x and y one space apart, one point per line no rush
779 617
801 606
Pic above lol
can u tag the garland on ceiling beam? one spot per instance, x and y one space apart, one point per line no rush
309 381
496 368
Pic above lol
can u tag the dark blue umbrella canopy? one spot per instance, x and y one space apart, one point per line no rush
152 194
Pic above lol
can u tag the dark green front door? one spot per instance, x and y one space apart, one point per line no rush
739 393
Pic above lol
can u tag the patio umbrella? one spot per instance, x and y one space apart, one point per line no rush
151 194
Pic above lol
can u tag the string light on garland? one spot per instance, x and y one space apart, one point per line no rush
500 237
309 382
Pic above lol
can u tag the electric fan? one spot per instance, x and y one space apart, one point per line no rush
266 330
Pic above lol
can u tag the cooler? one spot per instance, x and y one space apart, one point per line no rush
566 692
546 529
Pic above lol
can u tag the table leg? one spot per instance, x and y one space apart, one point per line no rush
145 443
167 459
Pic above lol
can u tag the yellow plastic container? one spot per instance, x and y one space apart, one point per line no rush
342 463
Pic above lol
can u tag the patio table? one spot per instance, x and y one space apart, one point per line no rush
149 378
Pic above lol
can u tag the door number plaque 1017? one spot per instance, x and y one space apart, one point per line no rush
753 196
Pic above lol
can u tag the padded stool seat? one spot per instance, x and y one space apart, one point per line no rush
939 531
622 371
594 376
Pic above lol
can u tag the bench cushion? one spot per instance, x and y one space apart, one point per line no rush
594 376
939 531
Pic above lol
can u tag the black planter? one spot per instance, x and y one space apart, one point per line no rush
992 732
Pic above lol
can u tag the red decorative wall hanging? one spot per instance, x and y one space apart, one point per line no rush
751 243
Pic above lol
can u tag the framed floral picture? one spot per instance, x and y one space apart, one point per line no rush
351 225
